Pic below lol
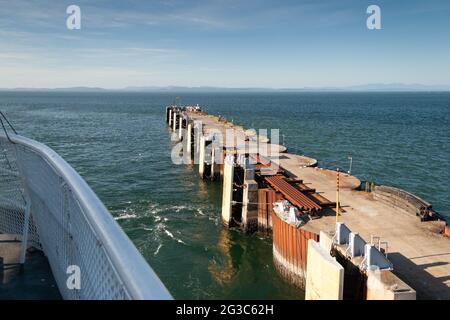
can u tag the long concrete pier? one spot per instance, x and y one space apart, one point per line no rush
379 228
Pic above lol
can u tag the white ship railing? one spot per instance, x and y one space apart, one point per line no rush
45 201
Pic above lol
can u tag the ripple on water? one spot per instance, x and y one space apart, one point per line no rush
120 144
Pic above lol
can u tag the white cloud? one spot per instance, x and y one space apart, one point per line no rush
176 42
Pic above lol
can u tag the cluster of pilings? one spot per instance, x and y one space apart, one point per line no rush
240 163
218 160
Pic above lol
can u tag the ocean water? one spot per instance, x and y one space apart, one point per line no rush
120 144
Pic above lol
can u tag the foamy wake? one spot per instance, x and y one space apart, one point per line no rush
157 250
179 208
126 216
170 234
155 209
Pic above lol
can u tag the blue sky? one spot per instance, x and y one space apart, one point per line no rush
278 44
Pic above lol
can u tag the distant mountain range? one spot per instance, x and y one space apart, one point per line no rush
391 87
69 89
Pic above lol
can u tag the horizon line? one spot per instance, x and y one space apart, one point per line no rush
152 88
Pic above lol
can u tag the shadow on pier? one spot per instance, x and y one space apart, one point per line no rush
426 285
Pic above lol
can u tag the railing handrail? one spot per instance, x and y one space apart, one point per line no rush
138 277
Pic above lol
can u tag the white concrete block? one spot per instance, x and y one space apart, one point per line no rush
324 275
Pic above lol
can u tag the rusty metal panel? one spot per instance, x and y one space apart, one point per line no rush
296 250
289 252
301 255
266 198
291 242
272 199
304 249
274 238
447 231
262 207
292 194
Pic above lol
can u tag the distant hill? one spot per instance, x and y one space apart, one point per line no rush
380 87
367 87
70 89
195 89
399 87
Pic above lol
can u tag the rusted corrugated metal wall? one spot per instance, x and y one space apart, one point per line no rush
291 242
263 216
266 198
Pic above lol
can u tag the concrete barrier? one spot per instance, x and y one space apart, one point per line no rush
356 245
227 190
384 285
324 275
326 241
342 233
406 201
376 259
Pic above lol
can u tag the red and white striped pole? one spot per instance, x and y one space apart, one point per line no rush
337 195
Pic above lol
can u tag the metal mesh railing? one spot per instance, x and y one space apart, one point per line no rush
12 200
71 225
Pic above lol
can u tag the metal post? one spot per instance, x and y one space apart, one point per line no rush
26 225
337 195
27 213
386 247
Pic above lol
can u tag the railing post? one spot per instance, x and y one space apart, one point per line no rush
27 213
26 226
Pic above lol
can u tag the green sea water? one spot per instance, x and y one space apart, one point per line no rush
120 144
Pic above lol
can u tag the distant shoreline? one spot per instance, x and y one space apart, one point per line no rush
354 89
